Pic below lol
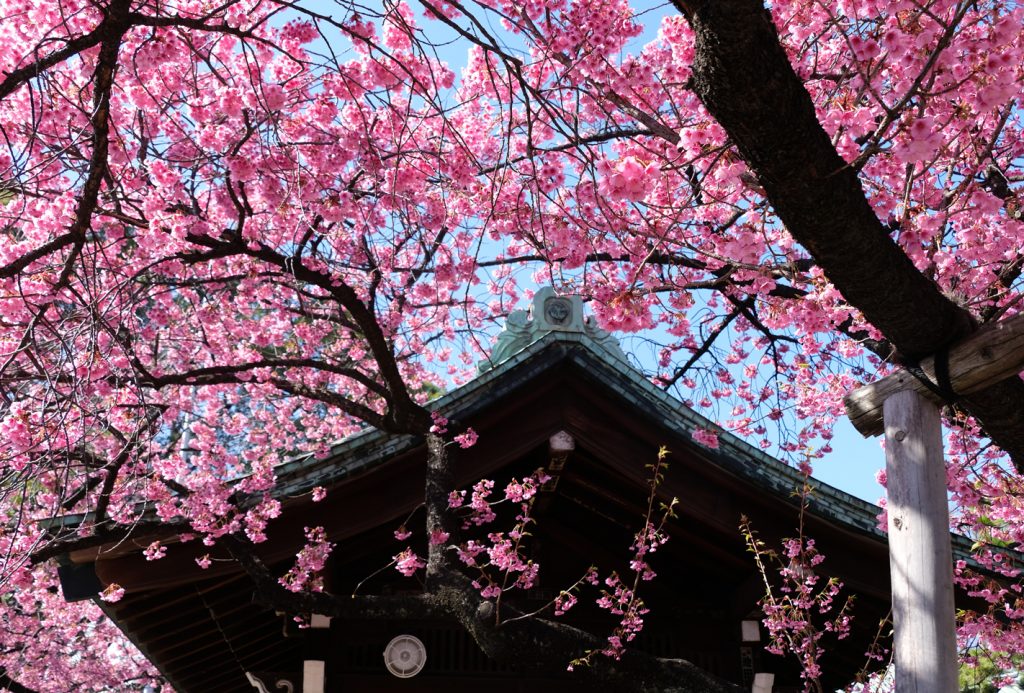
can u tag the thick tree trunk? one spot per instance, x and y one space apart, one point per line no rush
742 75
439 484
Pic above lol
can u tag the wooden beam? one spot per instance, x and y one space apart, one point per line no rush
920 556
989 355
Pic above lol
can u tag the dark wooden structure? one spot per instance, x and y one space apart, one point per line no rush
205 633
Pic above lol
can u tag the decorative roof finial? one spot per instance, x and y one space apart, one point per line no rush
550 313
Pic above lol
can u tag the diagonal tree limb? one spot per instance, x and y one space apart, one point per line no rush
743 77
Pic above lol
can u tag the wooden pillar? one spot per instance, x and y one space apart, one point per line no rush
314 666
920 555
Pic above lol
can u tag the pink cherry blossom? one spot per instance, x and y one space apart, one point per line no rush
221 245
705 437
467 439
407 563
112 593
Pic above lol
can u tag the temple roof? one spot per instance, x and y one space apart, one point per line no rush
535 346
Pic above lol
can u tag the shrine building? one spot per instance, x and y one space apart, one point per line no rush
557 393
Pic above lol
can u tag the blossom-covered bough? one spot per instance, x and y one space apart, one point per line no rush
236 231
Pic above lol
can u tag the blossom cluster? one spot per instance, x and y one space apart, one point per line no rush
506 566
802 609
307 573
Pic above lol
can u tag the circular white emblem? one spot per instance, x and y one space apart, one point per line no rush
405 656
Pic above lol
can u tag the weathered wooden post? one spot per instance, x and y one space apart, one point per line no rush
920 552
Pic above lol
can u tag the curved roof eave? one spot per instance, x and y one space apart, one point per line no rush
372 447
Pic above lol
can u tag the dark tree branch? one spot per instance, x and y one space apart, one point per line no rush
744 79
107 28
530 644
214 374
16 266
403 414
109 34
703 348
747 310
350 407
544 645
105 535
270 593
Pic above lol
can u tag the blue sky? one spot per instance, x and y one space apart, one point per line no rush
853 463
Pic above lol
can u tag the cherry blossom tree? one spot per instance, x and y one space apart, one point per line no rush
244 229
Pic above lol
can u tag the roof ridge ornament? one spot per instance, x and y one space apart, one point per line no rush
550 313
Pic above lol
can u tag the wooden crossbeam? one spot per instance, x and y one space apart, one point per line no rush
989 355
